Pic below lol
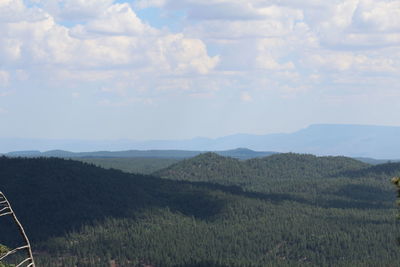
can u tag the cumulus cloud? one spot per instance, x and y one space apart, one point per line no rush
269 52
115 37
345 61
287 42
356 24
379 16
353 36
109 55
15 11
117 19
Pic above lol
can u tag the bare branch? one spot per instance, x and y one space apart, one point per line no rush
12 252
3 209
7 213
24 261
22 232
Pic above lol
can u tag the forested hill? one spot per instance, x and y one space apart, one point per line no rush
385 169
283 210
54 196
210 167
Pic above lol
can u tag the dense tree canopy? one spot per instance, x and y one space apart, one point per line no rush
291 210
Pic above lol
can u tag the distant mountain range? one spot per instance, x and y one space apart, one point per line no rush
381 142
239 153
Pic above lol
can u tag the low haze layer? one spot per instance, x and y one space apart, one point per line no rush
380 142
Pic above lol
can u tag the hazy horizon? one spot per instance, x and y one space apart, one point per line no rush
206 137
380 142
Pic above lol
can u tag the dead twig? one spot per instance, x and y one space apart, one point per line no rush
6 209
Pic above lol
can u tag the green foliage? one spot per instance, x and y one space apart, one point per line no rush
284 210
276 173
6 265
3 249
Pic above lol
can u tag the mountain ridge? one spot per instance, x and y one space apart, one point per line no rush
352 140
239 153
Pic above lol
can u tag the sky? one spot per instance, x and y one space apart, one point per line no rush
175 69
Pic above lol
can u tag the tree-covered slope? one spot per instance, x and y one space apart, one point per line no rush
80 215
205 167
385 169
211 167
53 196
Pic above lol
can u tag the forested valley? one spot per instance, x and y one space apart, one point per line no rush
210 210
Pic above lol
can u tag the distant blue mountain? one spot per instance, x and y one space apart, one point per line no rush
239 153
382 142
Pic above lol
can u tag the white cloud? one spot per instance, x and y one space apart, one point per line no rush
269 51
354 62
359 24
357 37
287 42
118 19
381 16
336 22
104 54
116 37
15 11
179 54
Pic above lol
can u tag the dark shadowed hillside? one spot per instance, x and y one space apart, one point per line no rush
284 210
54 196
